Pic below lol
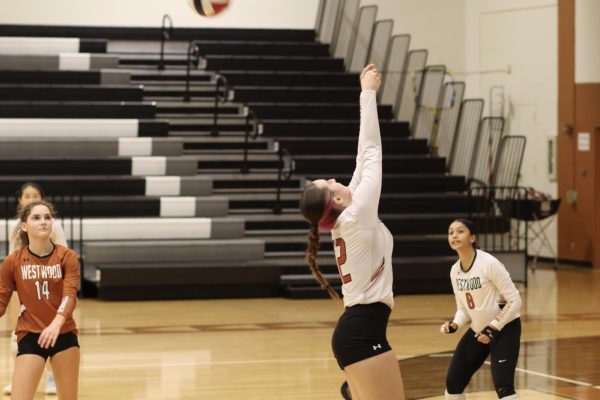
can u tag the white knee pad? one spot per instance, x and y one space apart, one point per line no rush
449 396
511 397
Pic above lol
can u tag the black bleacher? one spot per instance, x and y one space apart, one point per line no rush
306 101
69 92
76 109
50 77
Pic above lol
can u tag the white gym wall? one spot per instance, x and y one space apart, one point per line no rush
292 14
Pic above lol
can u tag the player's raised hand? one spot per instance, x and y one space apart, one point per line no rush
370 78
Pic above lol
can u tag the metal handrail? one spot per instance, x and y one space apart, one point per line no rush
251 120
165 34
283 154
220 95
192 51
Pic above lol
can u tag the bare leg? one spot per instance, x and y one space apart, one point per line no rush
376 378
13 312
353 389
27 374
66 373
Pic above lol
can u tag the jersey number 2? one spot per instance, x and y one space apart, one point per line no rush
341 260
42 289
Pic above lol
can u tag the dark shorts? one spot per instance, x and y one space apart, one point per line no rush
361 333
29 345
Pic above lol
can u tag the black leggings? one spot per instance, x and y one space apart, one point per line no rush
470 355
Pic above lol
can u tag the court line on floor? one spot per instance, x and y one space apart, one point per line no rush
554 377
210 363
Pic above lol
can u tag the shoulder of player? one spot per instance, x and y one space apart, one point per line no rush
486 259
64 250
455 267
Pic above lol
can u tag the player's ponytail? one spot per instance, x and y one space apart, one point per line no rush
313 204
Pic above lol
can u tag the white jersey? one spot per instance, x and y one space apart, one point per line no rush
477 292
363 245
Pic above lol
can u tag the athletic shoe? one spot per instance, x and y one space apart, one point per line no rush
50 384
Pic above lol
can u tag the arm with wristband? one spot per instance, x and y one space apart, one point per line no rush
500 278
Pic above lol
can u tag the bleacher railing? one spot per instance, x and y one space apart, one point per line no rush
447 121
286 168
427 102
466 133
253 128
166 33
496 211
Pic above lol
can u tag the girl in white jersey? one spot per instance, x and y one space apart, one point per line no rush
363 250
479 280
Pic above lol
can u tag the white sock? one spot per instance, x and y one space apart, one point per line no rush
449 396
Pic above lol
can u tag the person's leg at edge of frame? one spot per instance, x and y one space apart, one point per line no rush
65 365
26 376
504 357
448 396
353 389
376 377
50 384
468 357
13 312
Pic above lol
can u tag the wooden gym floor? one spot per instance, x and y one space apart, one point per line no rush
280 349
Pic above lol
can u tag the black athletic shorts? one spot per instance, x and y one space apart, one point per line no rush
29 345
361 333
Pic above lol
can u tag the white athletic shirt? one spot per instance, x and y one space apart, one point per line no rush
477 292
363 245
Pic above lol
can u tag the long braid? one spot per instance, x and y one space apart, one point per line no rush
312 249
313 206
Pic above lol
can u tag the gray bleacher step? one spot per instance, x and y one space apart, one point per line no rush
197 103
194 280
153 228
176 116
255 155
304 279
73 147
223 119
238 181
259 211
157 84
156 75
174 250
174 109
152 67
152 56
177 85
275 232
231 152
236 133
215 272
257 195
211 143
